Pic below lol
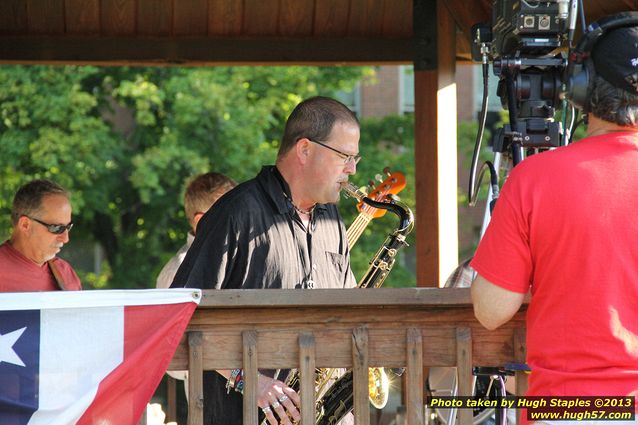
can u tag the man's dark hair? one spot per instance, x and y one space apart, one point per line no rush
613 96
28 199
613 104
203 191
314 119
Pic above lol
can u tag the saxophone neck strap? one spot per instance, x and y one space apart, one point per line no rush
56 275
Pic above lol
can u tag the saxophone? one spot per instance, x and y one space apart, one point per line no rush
384 259
380 267
335 401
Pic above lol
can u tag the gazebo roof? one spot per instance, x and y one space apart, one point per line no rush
195 32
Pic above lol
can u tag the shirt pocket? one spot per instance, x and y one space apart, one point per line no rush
336 261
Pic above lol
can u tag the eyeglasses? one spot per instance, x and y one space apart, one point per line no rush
346 158
56 229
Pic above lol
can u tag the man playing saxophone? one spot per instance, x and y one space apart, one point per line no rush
278 230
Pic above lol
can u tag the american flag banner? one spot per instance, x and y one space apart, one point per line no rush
87 357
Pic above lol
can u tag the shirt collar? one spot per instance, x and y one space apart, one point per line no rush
278 190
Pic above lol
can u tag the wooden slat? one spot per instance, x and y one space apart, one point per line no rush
118 17
360 376
250 356
365 18
296 17
261 17
82 16
225 17
466 14
433 316
154 17
190 17
414 376
430 297
195 379
171 398
45 16
307 373
464 370
397 18
331 18
13 16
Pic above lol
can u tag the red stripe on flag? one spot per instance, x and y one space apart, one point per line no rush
151 335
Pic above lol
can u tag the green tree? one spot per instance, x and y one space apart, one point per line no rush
123 141
385 142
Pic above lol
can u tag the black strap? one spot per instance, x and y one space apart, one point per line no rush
56 275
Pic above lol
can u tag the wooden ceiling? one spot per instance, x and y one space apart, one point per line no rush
231 31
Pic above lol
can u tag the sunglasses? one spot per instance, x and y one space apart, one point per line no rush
346 158
56 229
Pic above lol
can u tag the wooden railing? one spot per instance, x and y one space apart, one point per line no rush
413 328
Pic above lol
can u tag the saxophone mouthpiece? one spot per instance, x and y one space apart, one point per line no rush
353 191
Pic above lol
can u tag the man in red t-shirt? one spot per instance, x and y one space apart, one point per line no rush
41 217
565 228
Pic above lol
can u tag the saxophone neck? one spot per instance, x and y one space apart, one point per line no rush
353 191
406 217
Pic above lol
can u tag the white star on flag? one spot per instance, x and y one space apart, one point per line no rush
7 353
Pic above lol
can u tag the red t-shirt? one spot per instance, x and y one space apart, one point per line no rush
566 226
19 274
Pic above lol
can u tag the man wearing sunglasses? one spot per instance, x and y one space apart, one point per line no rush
41 217
278 230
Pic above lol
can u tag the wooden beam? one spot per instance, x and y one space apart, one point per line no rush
464 370
360 376
13 16
435 156
250 357
154 17
414 376
118 18
171 399
203 50
307 373
195 379
430 298
45 16
468 13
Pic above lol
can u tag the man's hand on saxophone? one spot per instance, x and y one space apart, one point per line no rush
275 397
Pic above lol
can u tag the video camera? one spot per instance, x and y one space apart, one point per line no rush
525 44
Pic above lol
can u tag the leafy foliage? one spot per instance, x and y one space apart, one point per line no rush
385 142
123 141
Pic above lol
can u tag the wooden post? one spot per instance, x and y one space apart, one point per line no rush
464 370
360 376
414 376
249 339
435 157
307 374
195 379
171 399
